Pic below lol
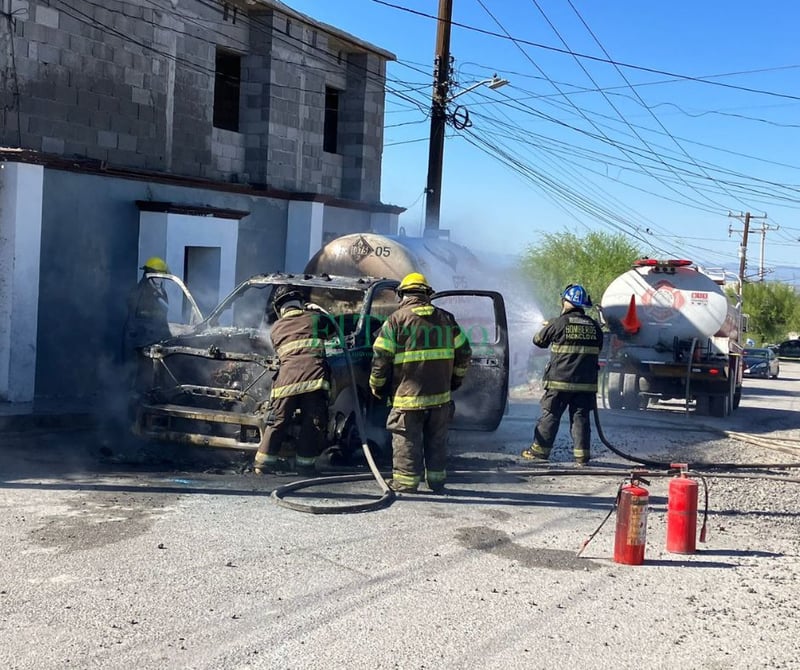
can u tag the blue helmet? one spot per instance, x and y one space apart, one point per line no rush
576 295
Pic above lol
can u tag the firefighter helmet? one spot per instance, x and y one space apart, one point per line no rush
284 294
576 295
414 281
155 264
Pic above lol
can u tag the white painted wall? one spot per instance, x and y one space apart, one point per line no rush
303 233
167 236
21 190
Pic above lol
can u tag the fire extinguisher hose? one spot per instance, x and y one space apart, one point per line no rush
603 522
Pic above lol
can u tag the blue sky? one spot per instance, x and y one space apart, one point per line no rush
651 119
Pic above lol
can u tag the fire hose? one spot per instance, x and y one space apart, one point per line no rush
700 469
662 469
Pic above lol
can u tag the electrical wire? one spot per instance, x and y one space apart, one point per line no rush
641 68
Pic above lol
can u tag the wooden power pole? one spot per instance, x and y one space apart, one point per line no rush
441 89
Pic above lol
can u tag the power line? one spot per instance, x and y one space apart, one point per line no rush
680 77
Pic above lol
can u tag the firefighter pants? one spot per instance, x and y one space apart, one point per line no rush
313 420
419 440
553 404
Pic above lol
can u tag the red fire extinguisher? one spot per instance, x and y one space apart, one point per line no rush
631 535
682 513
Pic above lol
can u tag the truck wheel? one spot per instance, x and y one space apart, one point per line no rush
630 391
614 390
737 398
719 405
702 405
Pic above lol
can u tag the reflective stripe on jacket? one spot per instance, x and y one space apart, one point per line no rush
575 340
419 355
300 348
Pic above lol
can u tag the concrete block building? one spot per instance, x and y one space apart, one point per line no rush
228 137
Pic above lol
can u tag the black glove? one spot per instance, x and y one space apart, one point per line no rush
455 383
378 393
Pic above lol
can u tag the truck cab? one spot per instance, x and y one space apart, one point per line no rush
211 386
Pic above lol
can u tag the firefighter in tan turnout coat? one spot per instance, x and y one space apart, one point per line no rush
302 382
419 357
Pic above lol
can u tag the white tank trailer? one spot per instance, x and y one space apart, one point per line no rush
447 266
674 334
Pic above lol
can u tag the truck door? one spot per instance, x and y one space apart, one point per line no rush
481 401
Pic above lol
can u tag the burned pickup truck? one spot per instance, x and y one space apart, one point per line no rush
211 386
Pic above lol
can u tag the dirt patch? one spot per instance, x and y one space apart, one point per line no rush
97 519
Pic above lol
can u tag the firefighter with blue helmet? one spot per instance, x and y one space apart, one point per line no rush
570 378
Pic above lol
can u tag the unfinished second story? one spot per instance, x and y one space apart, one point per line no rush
242 91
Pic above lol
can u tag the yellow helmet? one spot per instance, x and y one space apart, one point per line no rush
415 281
155 264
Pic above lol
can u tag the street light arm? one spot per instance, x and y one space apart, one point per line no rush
494 83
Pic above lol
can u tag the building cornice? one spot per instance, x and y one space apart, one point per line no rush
101 168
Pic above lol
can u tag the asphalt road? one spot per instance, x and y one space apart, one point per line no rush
115 558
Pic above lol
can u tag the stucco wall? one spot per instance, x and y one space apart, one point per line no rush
90 228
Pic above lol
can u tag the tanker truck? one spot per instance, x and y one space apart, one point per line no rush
674 334
447 266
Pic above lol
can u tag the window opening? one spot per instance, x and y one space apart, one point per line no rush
331 128
227 82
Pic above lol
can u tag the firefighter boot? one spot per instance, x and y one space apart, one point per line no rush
269 464
400 487
306 466
535 453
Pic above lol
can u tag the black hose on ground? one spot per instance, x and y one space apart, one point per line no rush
388 496
702 465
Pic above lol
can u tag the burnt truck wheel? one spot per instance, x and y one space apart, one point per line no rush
614 390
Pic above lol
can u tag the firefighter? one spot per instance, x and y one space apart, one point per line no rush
147 320
420 356
570 378
302 383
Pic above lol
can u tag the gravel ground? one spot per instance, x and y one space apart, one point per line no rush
108 563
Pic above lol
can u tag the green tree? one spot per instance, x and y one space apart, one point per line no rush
773 309
593 261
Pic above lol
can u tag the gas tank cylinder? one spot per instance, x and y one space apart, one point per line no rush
682 515
631 535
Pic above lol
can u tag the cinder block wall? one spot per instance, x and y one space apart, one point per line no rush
131 83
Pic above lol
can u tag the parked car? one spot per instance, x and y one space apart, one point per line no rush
761 363
211 386
789 350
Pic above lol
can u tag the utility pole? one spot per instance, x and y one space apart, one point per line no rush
764 228
743 251
441 88
747 217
